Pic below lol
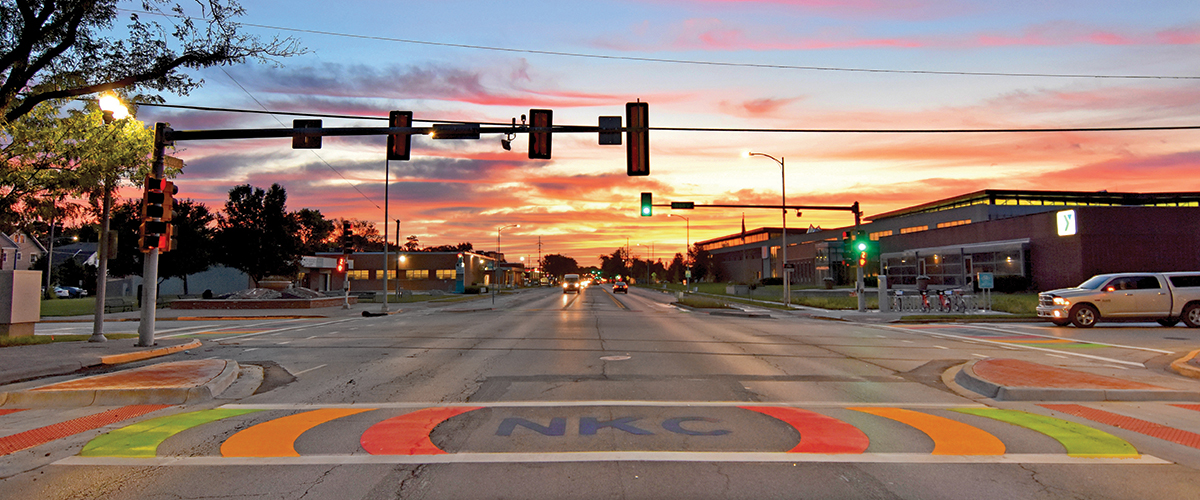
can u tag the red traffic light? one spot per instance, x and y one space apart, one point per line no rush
341 264
399 146
539 140
637 134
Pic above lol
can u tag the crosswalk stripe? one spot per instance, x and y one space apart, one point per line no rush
950 437
277 438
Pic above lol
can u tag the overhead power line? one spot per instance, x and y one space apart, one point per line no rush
698 62
721 129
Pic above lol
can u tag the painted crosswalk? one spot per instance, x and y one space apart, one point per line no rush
499 432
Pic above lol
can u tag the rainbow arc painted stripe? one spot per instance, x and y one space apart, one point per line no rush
409 434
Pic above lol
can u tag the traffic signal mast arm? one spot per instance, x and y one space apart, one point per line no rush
852 208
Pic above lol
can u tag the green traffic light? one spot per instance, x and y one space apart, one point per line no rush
862 247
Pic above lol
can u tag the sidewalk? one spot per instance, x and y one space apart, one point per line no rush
1017 380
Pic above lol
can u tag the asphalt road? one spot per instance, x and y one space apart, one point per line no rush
591 395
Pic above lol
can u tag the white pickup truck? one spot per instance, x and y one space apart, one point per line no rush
1163 297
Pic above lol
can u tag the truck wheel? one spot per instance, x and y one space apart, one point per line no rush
1191 315
1168 321
1085 316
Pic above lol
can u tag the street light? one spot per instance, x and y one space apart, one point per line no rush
113 110
783 204
498 230
687 246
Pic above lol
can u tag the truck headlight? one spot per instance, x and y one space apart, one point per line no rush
1059 301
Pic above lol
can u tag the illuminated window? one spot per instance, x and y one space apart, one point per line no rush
954 223
445 274
914 229
417 274
359 274
880 234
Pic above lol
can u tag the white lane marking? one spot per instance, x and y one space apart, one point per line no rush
1056 356
1011 332
281 330
978 355
615 456
1016 346
284 342
299 373
250 349
941 347
232 327
587 404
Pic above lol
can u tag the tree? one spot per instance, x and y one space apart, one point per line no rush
614 264
702 264
316 232
411 243
256 233
194 232
59 153
675 272
558 265
69 48
461 247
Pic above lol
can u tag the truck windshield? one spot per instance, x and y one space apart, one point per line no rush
1093 283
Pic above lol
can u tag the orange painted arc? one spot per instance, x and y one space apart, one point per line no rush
277 438
408 434
950 437
818 433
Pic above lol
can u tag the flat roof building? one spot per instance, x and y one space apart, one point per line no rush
1020 236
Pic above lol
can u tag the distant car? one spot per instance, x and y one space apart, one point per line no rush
61 292
621 287
76 292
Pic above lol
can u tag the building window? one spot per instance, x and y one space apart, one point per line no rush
954 223
359 274
445 274
417 274
914 229
875 236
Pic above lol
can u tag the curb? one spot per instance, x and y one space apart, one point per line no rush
1184 367
123 397
116 359
967 378
738 314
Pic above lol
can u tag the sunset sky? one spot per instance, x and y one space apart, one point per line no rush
364 63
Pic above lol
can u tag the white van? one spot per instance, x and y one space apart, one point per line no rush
570 283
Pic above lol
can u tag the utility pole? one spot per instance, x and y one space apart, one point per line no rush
858 286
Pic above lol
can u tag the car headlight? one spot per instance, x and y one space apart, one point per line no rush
1059 301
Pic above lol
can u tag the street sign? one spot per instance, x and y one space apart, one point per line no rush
986 281
683 205
456 131
610 131
789 266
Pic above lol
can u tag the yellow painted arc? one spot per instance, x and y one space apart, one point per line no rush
277 438
950 437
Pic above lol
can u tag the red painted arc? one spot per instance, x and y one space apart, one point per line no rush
408 434
818 433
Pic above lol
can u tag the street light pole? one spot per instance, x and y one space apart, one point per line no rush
687 243
498 230
787 293
387 177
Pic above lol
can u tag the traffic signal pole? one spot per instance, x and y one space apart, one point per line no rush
150 264
859 288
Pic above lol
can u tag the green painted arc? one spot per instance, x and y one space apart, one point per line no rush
1079 440
141 440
